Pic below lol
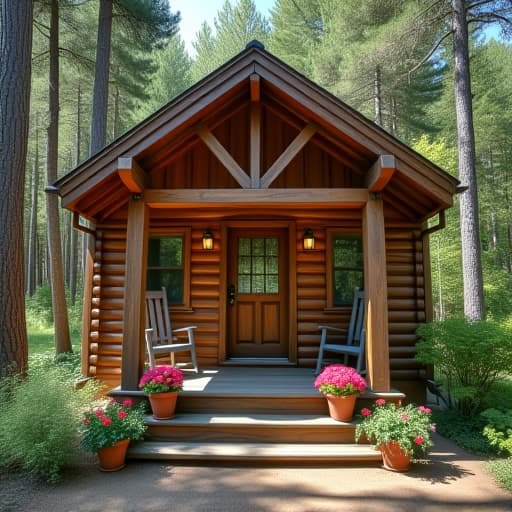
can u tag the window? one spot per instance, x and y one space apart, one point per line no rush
258 265
166 266
345 268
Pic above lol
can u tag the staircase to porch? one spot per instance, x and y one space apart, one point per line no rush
264 415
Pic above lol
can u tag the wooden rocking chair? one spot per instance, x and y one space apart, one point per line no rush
355 336
160 337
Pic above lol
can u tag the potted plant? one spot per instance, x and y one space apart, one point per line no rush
400 432
162 385
341 386
108 431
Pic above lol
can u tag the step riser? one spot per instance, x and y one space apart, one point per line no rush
260 434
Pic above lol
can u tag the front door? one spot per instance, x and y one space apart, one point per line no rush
257 294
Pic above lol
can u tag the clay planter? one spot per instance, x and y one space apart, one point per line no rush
163 405
394 458
341 408
112 458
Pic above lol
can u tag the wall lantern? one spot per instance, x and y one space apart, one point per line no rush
309 240
207 241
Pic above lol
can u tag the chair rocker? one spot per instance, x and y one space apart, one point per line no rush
355 336
160 337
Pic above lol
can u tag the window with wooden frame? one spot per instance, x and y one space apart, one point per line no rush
345 267
169 266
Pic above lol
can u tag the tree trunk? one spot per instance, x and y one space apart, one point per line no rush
101 77
15 70
60 312
469 224
377 100
32 228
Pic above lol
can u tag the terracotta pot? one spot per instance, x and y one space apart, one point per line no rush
112 458
163 404
394 458
341 408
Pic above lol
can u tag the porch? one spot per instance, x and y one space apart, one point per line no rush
268 415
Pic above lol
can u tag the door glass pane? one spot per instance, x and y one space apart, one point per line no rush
258 265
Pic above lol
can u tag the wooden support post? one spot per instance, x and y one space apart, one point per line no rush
255 144
134 292
375 285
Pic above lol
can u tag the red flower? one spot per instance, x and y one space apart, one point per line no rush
380 401
365 412
106 421
127 402
419 440
86 421
99 413
122 415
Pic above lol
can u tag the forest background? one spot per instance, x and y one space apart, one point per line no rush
365 52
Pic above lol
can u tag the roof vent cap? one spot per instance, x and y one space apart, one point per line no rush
255 44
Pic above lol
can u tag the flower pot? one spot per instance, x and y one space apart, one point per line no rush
163 405
112 458
394 458
341 407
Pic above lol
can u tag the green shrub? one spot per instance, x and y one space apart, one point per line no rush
39 421
499 429
469 356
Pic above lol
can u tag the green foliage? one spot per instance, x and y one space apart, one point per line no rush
39 421
408 425
501 470
466 431
469 356
499 428
103 427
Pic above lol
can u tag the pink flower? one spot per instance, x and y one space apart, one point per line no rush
380 401
99 413
127 402
404 416
122 415
424 409
419 440
432 427
86 421
106 421
365 412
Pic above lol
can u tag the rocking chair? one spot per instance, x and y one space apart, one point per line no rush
355 336
160 337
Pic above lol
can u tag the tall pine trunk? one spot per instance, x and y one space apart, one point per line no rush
15 70
469 224
60 312
101 77
32 228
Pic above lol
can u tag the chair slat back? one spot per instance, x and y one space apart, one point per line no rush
357 317
157 316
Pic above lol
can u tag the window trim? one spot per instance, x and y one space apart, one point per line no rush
186 233
329 263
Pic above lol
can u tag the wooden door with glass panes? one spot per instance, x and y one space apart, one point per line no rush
257 294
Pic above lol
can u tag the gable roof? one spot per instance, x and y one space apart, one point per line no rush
342 128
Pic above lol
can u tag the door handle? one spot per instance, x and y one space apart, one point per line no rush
231 294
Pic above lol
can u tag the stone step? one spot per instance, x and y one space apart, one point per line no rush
275 428
298 453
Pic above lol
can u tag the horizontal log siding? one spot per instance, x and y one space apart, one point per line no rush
106 329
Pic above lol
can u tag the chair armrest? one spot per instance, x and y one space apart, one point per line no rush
331 328
183 329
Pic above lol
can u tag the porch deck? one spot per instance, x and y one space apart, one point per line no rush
255 414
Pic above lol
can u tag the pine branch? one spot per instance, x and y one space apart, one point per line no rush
430 53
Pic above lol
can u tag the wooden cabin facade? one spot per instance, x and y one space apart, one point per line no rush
255 155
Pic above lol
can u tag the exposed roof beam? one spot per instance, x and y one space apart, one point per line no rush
255 144
224 157
132 175
380 173
288 155
254 81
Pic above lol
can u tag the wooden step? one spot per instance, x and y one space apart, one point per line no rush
283 428
298 453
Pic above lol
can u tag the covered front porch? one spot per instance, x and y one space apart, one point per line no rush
255 414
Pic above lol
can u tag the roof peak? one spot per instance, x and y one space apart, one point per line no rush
255 44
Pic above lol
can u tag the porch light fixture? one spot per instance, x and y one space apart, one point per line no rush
207 240
309 240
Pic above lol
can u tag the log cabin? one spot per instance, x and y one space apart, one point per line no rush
301 198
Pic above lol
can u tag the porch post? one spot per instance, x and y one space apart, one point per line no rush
135 285
375 286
